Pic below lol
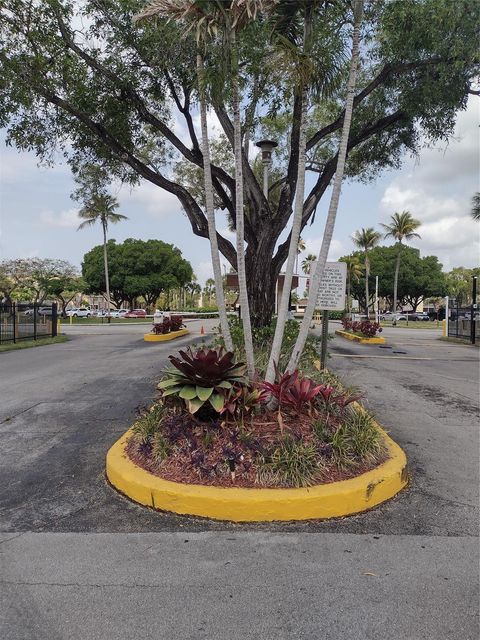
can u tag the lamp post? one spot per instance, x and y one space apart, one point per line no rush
266 147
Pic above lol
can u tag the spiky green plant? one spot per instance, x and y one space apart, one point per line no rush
202 377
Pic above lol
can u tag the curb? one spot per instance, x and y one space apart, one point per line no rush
164 337
259 505
354 338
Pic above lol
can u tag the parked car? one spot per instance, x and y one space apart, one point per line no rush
388 315
79 312
419 315
136 313
45 311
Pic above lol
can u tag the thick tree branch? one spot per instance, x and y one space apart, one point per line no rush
385 73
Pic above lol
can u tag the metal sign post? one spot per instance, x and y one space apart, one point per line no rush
331 297
323 347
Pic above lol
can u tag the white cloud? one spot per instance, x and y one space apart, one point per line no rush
155 201
203 271
312 245
67 219
437 190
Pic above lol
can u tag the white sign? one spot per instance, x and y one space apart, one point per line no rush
331 296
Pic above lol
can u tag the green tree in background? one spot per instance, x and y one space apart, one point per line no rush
418 279
98 206
366 239
138 268
402 227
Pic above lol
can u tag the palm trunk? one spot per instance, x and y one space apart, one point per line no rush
105 264
337 186
395 280
212 232
296 224
367 275
293 248
242 278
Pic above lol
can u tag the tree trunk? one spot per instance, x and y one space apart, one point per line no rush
293 248
367 275
210 210
239 210
105 264
337 186
395 279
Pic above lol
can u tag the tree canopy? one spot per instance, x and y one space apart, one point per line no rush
36 279
419 278
83 79
138 268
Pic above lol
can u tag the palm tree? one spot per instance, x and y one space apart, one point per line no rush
366 239
319 266
307 263
354 272
100 207
402 227
300 247
193 15
476 207
302 92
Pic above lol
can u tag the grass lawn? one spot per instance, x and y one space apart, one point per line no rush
402 324
66 321
26 344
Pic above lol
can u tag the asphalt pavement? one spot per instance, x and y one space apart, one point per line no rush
77 560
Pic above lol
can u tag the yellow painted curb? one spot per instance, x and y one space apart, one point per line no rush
354 338
164 337
259 505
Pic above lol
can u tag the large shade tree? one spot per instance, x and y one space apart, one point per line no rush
84 79
138 268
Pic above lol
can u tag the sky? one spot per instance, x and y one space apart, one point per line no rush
38 218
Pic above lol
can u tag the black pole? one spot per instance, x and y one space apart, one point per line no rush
35 311
323 346
14 311
54 320
472 311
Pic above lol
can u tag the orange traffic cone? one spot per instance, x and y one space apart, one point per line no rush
202 331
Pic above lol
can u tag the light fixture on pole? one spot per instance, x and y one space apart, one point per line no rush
266 147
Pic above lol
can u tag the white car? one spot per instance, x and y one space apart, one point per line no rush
79 312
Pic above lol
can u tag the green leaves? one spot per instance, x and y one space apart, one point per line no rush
204 376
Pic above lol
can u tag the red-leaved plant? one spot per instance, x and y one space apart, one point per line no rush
365 327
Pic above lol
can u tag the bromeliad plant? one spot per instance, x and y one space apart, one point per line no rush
203 377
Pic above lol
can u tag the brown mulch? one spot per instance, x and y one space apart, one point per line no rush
201 455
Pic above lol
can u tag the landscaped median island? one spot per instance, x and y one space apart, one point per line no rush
221 446
364 331
169 329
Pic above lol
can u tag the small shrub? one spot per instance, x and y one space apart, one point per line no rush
176 323
202 377
163 327
148 423
363 327
293 464
161 449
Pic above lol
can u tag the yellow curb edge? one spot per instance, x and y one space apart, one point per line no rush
259 505
354 338
164 337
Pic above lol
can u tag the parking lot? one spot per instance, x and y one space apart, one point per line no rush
79 561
